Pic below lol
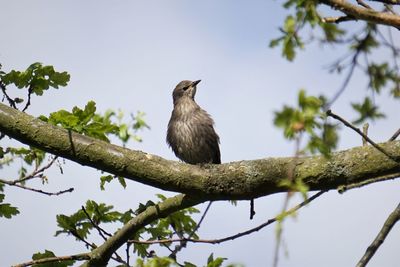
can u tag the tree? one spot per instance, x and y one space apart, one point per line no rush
83 136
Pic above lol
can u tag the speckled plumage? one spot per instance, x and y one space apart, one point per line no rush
191 133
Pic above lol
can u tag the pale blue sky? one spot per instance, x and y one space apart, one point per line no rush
129 55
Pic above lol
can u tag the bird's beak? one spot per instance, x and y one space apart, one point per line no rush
195 82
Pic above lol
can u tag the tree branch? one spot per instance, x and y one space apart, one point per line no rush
393 218
101 255
365 137
236 180
77 257
238 235
69 190
389 2
362 13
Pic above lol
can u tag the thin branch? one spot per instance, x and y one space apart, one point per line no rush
353 65
365 132
338 19
363 4
10 101
87 243
393 218
35 173
344 188
252 211
69 190
77 257
101 231
346 123
395 135
346 81
183 243
28 102
238 235
389 2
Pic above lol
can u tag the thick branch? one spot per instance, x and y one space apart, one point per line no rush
236 180
362 13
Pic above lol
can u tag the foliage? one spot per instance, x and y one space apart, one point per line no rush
304 13
50 254
366 110
179 223
37 78
87 122
309 117
6 210
86 219
168 262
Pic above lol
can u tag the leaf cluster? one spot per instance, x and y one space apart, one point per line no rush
36 77
49 254
303 13
308 117
178 224
168 262
6 209
87 122
81 223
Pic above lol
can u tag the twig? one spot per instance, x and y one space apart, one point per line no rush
346 123
127 253
389 2
393 218
338 19
365 132
101 231
252 211
344 188
395 135
69 190
363 4
10 101
28 102
232 237
347 79
183 242
77 257
35 172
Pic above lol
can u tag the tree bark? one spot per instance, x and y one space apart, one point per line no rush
361 13
236 180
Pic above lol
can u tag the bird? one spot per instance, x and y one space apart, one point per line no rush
191 133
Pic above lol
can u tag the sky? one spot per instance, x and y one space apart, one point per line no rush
129 55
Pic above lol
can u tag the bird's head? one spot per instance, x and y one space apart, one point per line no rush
185 89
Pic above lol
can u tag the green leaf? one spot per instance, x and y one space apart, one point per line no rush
366 110
214 263
188 264
50 254
7 211
290 24
379 75
104 179
86 121
332 32
121 180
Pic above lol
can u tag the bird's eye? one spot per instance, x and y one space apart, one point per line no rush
185 88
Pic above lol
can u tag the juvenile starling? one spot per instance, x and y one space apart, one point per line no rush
191 133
